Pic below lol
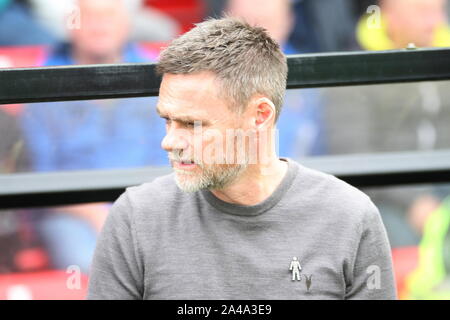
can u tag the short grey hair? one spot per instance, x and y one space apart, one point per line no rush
245 59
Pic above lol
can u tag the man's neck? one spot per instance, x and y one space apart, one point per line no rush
255 185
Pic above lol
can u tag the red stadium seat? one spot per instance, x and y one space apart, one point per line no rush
405 260
186 12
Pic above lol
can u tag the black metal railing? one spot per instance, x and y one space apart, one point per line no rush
24 85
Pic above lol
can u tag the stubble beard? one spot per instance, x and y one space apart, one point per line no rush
211 176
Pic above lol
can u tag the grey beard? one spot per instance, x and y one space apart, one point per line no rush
217 178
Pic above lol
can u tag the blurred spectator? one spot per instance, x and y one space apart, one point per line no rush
317 31
397 117
19 246
300 125
431 279
419 120
422 22
147 24
13 156
314 28
324 25
403 117
96 134
215 8
275 16
18 28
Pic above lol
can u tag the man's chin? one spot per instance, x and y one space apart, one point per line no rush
217 177
187 184
182 172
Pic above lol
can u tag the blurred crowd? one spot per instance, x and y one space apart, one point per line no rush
126 133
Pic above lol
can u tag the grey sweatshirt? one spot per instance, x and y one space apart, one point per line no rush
314 237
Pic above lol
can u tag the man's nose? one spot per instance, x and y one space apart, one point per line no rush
174 139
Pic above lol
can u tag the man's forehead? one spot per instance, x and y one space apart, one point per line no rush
196 93
198 84
171 107
179 110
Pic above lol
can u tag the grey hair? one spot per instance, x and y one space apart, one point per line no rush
245 59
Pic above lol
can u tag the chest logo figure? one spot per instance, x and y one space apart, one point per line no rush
296 268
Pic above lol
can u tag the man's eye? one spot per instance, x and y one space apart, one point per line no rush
189 124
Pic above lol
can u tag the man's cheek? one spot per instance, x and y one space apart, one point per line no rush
212 147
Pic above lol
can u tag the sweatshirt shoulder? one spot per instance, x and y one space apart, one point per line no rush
337 195
158 192
332 184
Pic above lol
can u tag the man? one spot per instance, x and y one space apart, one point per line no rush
234 217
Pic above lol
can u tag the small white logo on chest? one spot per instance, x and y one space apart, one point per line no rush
297 275
296 268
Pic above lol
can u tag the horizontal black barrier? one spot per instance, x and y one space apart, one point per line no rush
22 85
62 83
23 190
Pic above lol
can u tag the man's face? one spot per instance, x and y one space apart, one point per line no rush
104 27
416 20
200 128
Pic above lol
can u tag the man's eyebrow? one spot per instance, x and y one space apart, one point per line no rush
182 119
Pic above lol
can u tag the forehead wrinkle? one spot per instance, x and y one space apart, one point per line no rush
182 117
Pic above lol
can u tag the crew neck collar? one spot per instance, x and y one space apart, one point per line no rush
257 209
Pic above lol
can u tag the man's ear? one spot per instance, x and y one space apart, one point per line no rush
265 113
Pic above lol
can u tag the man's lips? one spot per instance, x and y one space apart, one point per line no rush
184 164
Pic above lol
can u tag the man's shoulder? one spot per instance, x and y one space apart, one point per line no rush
323 179
334 193
159 190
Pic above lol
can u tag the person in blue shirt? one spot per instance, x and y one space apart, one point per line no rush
97 134
19 28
